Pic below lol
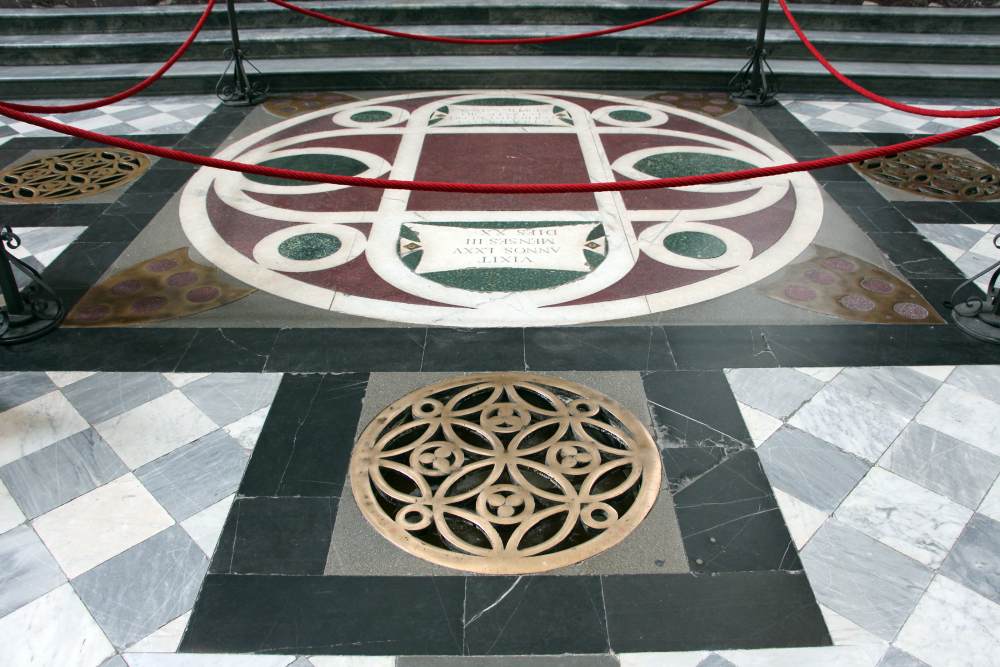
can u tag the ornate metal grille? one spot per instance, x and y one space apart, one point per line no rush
66 176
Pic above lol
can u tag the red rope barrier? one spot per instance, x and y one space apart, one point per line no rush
137 88
875 97
500 188
511 40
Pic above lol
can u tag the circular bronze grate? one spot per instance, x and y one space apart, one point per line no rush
505 473
935 174
70 175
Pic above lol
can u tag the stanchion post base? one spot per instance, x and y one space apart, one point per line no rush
43 315
240 91
979 320
755 84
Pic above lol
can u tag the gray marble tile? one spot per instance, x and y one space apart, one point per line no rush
982 380
115 661
943 464
227 397
17 388
894 657
191 478
302 661
145 587
508 661
715 660
975 559
776 391
897 388
850 422
862 579
46 479
27 570
106 395
964 415
809 468
958 236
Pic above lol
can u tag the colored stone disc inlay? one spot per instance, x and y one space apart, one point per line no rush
487 260
505 473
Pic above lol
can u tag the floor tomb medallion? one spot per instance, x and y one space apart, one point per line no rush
501 260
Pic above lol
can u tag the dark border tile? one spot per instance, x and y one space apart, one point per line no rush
597 348
474 349
338 350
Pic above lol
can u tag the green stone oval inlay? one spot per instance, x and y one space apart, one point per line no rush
629 115
312 245
668 165
698 245
372 116
341 165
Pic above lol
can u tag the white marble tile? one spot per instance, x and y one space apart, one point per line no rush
155 428
228 397
65 378
801 518
818 656
907 517
985 248
760 424
37 424
53 631
10 514
206 526
678 659
952 626
892 388
206 660
181 379
122 513
991 503
939 373
847 633
346 661
776 391
164 640
981 380
246 431
821 373
968 417
850 422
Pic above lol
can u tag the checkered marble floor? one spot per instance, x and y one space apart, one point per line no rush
138 115
971 247
41 245
849 115
887 479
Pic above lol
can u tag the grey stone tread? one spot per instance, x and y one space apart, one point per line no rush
774 36
916 71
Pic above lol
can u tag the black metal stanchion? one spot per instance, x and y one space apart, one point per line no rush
237 89
25 314
754 85
977 317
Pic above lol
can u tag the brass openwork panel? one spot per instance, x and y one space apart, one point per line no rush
505 473
70 175
935 174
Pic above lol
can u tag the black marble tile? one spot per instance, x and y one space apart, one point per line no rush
597 348
275 536
722 611
139 205
834 345
882 219
229 350
841 173
730 520
109 227
717 347
474 349
684 464
305 445
803 144
51 215
338 350
161 180
888 138
327 615
534 615
933 212
36 143
983 213
100 350
682 401
845 138
82 263
915 256
855 194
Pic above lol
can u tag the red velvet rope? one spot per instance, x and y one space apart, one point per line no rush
137 88
500 188
511 40
875 97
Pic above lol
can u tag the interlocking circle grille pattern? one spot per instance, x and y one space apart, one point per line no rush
505 473
936 174
65 176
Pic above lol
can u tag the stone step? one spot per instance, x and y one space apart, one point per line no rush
671 41
427 72
111 20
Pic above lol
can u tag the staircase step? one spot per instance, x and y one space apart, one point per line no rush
427 72
113 20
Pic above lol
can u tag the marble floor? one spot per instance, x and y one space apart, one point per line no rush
180 462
